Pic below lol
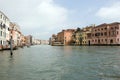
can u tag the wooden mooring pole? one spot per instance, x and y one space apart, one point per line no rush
11 44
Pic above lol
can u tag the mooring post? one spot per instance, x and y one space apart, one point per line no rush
11 48
11 43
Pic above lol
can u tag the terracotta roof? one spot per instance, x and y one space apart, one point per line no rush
104 24
114 23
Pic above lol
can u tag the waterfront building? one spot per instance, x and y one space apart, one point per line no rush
65 36
22 40
105 34
53 39
114 33
87 30
16 34
36 41
44 42
84 36
4 30
29 39
60 37
77 36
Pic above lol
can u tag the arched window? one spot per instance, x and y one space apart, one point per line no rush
111 41
117 32
118 39
101 34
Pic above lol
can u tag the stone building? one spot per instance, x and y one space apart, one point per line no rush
77 37
16 34
53 39
29 39
22 40
105 34
4 30
65 36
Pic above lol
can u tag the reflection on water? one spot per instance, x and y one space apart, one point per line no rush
61 63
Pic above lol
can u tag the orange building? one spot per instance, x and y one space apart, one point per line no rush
16 33
65 37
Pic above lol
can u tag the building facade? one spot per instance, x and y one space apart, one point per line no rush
77 37
4 30
29 40
105 34
84 36
53 39
16 34
22 40
65 37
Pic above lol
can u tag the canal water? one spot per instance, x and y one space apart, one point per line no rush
44 62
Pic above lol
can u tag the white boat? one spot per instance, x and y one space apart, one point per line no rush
57 44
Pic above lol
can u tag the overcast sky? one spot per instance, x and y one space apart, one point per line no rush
42 18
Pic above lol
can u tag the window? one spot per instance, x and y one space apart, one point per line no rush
98 40
111 41
89 35
97 34
95 40
101 34
1 33
112 28
118 39
106 40
105 33
113 33
116 27
4 26
1 42
105 28
117 32
1 16
102 40
1 24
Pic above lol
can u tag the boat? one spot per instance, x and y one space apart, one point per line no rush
57 44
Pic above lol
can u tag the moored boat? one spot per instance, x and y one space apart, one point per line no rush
57 44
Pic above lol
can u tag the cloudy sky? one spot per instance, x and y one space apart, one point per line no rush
42 18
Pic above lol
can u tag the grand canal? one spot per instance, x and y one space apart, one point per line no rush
44 62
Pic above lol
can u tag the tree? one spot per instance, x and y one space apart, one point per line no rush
78 29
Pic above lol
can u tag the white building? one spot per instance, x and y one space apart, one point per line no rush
44 42
4 32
